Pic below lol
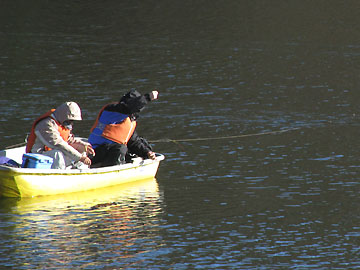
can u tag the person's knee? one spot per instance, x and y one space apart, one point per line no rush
116 155
109 155
58 159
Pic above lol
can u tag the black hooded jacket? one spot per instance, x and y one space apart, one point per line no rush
132 104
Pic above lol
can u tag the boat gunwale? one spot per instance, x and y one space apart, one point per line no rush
90 171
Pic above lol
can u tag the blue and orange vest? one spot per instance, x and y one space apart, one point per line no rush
64 132
111 127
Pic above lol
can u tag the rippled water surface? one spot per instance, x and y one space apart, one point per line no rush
257 117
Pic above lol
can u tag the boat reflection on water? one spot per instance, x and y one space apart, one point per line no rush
92 199
64 228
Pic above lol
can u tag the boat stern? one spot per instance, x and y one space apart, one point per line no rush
8 183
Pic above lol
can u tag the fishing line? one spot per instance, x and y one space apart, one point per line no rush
15 145
223 137
199 139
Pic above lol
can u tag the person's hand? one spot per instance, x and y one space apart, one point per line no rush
85 160
154 95
151 155
90 152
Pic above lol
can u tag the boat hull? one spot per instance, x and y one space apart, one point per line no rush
29 182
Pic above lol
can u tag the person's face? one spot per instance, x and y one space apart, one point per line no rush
68 124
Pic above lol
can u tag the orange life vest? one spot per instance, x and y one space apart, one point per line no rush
64 132
120 132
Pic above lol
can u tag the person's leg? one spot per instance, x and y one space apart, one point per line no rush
100 154
109 155
58 159
115 155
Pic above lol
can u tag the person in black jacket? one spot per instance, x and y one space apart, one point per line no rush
113 135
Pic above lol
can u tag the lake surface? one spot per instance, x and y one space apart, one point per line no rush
258 117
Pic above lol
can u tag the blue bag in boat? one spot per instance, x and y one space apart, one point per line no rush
9 162
37 161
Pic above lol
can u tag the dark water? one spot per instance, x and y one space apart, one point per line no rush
285 200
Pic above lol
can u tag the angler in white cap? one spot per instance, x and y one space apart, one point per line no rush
51 136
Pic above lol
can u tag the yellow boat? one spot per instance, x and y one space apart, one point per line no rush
31 182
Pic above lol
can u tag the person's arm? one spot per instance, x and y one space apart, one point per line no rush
136 104
139 146
81 146
47 132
